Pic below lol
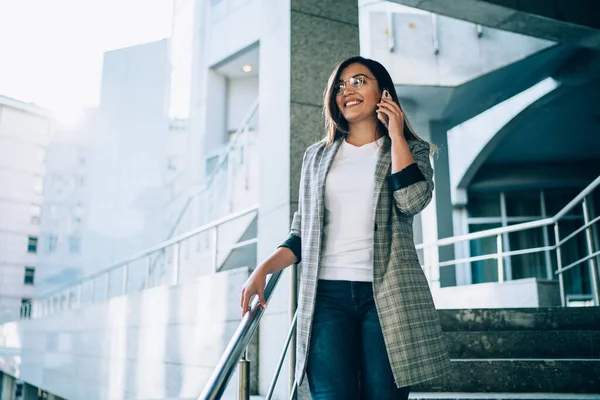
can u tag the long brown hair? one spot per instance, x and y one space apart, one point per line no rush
336 125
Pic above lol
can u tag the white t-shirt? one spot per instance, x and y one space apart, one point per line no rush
348 226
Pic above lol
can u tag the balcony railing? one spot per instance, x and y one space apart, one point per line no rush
589 229
116 280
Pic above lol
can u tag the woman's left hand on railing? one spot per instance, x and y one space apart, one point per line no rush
255 285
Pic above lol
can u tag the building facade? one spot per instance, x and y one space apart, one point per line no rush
25 131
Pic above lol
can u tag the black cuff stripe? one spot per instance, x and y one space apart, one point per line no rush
406 177
294 243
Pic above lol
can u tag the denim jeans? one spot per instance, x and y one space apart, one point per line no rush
347 358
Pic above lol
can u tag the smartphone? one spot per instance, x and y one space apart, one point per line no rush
382 117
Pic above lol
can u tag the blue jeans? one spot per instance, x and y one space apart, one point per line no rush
347 358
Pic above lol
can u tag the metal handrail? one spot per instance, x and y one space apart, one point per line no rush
26 308
501 254
216 385
517 227
223 154
284 351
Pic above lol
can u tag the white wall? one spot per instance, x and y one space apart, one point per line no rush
520 293
234 25
241 94
160 343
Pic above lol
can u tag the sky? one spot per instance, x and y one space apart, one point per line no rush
51 50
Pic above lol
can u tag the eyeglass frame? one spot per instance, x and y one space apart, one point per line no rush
343 81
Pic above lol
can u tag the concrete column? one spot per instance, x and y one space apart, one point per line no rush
8 385
301 42
443 202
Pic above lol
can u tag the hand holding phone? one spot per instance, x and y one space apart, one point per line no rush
382 117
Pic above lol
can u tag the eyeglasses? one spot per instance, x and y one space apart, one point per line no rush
355 82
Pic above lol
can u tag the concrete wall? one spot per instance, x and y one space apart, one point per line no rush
160 343
243 17
241 93
436 50
529 292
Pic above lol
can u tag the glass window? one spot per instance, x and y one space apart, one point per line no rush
523 204
38 185
74 244
29 275
532 265
557 199
484 205
32 244
484 270
52 243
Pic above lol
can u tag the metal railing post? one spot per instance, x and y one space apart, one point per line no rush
244 377
293 310
125 273
92 290
147 277
590 250
561 282
500 258
215 249
176 263
107 286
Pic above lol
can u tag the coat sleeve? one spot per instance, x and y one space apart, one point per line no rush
294 241
413 186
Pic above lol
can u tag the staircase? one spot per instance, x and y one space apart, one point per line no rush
535 353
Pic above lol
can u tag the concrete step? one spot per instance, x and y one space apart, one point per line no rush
524 344
537 319
518 376
501 396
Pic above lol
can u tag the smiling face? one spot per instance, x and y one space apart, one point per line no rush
358 105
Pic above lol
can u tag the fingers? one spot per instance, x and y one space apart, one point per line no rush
261 298
244 301
391 102
391 106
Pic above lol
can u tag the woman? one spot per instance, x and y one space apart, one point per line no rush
367 325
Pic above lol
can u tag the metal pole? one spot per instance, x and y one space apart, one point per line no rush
281 360
244 377
107 286
500 258
147 278
561 283
590 249
176 263
125 272
215 387
215 250
293 309
92 287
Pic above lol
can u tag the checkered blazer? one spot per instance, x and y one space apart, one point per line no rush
412 332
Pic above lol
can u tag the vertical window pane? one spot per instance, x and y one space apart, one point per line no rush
532 265
484 205
485 270
29 275
523 204
32 244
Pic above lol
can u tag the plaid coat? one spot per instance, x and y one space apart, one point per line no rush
411 329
